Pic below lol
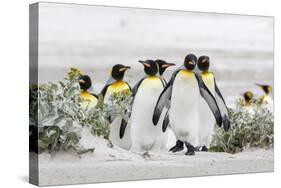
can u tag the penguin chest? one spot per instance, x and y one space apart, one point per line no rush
184 106
146 97
143 130
116 87
89 101
185 90
207 119
208 79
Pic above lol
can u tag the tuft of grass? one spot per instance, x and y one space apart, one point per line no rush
251 126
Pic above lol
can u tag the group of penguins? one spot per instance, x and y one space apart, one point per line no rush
188 105
264 100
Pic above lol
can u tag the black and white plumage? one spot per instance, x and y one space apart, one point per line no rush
207 120
181 96
146 92
114 85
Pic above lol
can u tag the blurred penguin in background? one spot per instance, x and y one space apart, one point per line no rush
89 99
266 99
119 135
248 101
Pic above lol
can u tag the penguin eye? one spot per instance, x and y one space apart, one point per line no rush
190 62
146 64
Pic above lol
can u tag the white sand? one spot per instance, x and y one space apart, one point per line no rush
114 164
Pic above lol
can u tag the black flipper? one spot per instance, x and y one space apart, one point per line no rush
223 108
166 122
210 99
124 122
122 128
95 95
164 99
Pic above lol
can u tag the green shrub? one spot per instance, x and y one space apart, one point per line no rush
56 117
249 128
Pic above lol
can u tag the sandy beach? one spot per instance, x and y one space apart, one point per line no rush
115 164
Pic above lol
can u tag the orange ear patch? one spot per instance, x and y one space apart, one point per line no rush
146 64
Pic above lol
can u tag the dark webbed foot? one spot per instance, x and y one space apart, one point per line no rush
198 148
201 148
204 148
178 147
190 149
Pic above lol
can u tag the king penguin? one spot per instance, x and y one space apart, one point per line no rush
247 103
266 99
146 92
181 95
115 84
89 99
207 120
168 137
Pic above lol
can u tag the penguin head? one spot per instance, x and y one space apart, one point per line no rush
85 82
118 71
203 63
150 67
248 96
190 62
163 65
266 88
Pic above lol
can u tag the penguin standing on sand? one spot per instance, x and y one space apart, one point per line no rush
146 92
89 99
168 137
266 99
115 84
182 95
207 119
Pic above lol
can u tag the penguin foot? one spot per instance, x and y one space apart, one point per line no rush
190 149
204 148
190 153
201 148
178 147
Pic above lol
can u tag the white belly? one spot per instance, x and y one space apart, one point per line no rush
184 109
144 134
114 135
206 119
